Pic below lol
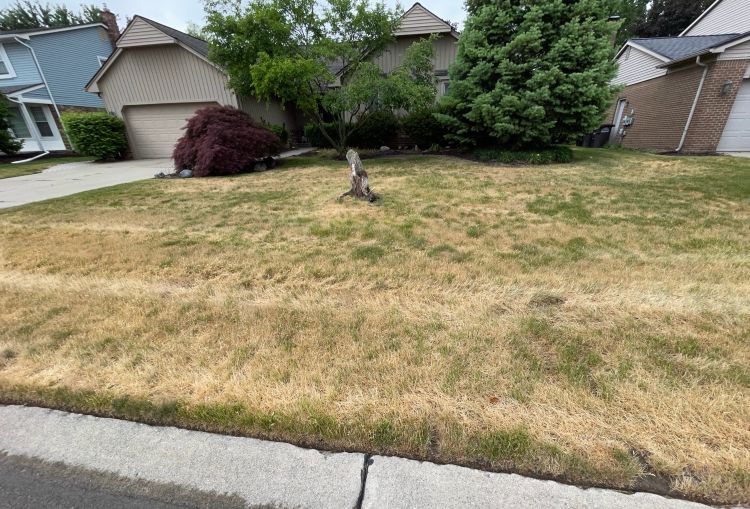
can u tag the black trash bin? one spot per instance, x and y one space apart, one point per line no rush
588 139
601 135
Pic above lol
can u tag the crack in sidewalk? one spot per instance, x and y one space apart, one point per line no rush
365 468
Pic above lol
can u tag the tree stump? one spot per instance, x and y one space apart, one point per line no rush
360 187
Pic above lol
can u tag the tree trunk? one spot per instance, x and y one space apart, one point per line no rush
360 187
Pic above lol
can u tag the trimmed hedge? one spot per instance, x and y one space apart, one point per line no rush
96 134
375 130
222 140
550 155
423 128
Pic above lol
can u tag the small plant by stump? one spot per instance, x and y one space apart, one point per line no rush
360 187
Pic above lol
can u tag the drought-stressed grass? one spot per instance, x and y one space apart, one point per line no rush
588 321
8 170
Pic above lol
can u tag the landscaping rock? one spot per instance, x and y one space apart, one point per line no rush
186 173
261 166
160 175
385 148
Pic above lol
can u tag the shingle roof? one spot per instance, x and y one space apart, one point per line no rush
15 88
22 31
676 48
194 43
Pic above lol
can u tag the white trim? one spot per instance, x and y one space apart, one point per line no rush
26 35
19 93
643 49
102 60
710 8
4 57
724 47
91 85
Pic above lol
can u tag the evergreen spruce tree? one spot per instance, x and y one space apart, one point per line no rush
530 73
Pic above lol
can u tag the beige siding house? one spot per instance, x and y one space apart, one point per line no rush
417 23
158 77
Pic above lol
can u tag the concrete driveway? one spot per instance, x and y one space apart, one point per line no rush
71 178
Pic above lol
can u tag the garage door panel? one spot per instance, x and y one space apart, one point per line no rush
154 129
736 136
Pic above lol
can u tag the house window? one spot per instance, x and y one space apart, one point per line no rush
6 69
446 87
17 124
626 55
37 113
102 60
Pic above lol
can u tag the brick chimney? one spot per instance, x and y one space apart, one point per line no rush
110 21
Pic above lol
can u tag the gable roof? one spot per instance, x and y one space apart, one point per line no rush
198 45
419 20
676 48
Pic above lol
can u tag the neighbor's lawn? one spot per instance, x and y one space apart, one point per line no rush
8 170
589 322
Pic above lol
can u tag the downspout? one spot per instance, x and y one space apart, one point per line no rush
44 80
695 102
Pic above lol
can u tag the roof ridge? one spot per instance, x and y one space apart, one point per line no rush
158 25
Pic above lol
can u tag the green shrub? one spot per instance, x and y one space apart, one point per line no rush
375 130
423 128
8 144
316 138
551 155
96 134
280 131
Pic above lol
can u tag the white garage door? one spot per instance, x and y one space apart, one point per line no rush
736 137
154 129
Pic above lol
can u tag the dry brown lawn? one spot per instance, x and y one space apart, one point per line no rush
589 322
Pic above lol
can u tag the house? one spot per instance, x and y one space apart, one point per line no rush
689 93
157 77
43 72
417 23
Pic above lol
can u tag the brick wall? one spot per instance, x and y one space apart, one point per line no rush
662 106
713 109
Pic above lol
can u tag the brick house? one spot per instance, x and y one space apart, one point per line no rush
689 93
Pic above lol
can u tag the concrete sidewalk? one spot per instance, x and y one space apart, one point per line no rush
261 473
72 178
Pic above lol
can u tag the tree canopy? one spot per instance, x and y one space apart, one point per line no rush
670 17
28 14
530 74
317 55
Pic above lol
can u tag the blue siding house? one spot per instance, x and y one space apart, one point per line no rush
43 72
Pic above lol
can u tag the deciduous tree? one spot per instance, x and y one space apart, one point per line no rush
28 14
317 56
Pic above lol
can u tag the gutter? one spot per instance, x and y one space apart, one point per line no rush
695 103
44 80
